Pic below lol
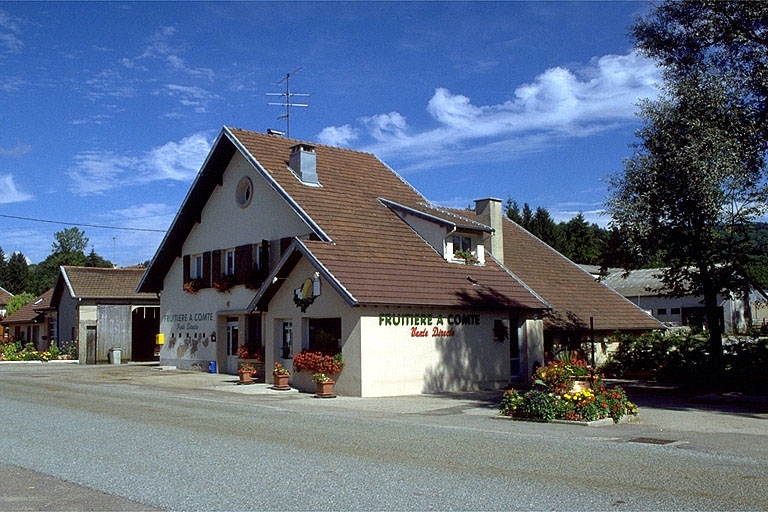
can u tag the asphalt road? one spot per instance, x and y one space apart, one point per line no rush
137 437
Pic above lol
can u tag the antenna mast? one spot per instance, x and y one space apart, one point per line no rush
287 100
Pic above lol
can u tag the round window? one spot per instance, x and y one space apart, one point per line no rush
244 192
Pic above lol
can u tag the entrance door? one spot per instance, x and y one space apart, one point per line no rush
233 343
90 344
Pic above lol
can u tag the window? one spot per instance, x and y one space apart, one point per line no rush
287 343
198 267
325 335
229 263
674 311
244 192
462 243
661 311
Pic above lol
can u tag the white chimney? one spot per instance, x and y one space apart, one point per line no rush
303 161
489 212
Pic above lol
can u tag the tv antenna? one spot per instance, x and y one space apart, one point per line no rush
287 100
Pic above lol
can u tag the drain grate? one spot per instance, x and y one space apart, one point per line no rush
651 440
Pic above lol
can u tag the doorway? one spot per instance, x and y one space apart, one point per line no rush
233 343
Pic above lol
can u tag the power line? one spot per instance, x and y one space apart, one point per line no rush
83 225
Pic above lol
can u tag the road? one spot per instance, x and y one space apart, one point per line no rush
151 439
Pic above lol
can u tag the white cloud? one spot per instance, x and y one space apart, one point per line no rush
9 31
178 161
17 151
559 103
8 191
337 135
192 96
99 172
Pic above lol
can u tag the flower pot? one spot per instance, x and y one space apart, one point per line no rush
246 378
580 385
281 382
325 389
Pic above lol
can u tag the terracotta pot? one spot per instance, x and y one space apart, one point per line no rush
246 378
281 381
325 389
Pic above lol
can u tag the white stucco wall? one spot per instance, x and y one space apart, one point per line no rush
188 320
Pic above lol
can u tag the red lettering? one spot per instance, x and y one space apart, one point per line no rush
441 333
415 333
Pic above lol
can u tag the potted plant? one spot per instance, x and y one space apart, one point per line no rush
225 283
245 372
467 256
281 376
315 362
324 385
193 285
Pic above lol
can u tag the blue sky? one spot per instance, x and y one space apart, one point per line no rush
107 110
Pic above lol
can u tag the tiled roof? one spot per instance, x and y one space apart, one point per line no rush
96 283
574 294
29 313
376 256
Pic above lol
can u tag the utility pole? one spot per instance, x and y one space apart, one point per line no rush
287 100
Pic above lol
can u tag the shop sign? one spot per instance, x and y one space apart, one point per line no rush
430 325
187 321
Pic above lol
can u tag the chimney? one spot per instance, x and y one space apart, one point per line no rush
489 212
303 161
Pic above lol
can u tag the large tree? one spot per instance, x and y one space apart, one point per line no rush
691 192
695 183
16 273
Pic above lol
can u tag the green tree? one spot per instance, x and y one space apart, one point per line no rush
70 240
691 192
582 242
543 226
66 250
697 179
527 216
3 266
18 301
512 211
16 274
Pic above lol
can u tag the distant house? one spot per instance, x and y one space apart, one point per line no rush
285 246
34 322
99 309
643 287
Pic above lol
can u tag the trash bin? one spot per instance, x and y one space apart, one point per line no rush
114 355
212 367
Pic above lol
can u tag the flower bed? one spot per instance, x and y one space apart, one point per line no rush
556 398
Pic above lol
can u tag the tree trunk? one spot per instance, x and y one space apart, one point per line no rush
715 331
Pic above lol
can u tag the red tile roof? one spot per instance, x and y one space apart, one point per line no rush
574 294
376 256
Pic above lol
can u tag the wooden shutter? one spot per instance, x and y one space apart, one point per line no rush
243 263
206 269
215 265
185 263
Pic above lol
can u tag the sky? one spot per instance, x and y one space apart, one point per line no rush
108 109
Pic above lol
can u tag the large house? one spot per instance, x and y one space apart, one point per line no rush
100 310
290 246
34 323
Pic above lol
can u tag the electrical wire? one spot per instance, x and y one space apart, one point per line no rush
83 225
